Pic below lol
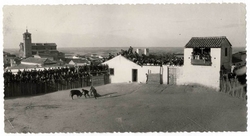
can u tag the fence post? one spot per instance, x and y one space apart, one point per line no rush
25 91
66 84
91 80
5 91
81 82
45 87
11 88
32 87
84 81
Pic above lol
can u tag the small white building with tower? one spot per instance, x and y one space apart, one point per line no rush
204 58
139 51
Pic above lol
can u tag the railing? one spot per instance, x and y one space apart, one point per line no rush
202 59
201 62
19 88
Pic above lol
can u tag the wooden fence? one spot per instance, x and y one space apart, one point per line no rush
15 89
155 78
233 87
174 73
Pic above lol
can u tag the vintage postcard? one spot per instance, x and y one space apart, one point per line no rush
109 68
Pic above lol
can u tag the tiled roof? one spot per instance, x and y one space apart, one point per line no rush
37 60
121 57
34 60
66 60
80 61
23 66
206 42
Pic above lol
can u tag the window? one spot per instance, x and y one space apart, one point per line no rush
201 56
225 51
111 71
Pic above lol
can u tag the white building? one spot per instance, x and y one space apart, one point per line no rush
139 51
146 51
204 58
123 70
31 63
79 62
37 61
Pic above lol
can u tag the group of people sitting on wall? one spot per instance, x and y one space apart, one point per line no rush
151 59
59 74
201 56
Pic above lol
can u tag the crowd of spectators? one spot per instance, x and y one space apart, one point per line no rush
57 75
204 56
151 59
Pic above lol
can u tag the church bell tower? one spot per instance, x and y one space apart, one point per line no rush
27 44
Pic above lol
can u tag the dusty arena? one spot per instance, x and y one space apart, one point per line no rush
127 108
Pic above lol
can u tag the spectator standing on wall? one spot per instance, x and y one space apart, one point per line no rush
232 68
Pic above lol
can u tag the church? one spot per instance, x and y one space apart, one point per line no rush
38 50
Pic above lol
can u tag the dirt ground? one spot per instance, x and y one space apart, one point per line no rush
128 108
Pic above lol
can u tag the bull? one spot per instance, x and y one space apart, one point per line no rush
75 92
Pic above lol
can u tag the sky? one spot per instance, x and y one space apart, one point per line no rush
169 25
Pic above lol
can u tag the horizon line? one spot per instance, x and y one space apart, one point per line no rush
125 46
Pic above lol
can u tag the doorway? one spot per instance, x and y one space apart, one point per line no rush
134 75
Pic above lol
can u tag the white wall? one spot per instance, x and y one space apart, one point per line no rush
197 74
165 74
142 75
146 51
152 69
139 51
148 70
29 63
179 73
122 69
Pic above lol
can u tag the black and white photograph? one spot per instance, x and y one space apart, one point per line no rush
105 68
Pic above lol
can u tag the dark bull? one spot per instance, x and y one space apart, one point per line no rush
75 92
